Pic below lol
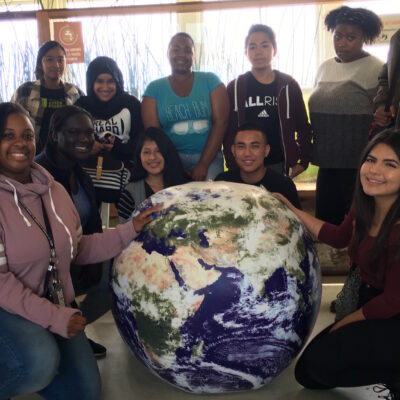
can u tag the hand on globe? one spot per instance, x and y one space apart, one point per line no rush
145 217
283 199
199 172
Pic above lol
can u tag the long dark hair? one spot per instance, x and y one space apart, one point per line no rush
6 109
364 205
44 48
174 173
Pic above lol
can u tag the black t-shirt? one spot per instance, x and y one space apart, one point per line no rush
51 100
262 108
272 181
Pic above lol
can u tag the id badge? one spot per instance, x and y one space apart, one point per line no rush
56 294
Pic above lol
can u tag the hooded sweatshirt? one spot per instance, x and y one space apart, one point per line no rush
25 251
295 130
120 115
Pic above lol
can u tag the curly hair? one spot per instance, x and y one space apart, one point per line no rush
369 23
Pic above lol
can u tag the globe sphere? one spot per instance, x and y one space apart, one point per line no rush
220 291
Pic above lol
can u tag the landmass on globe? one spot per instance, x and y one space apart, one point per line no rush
220 291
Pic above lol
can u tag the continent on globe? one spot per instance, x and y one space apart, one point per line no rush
220 291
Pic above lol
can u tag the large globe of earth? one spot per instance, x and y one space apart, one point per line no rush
220 291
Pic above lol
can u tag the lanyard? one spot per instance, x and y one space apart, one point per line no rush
51 270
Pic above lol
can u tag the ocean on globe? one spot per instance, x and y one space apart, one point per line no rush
220 291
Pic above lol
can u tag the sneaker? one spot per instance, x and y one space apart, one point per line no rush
99 351
391 394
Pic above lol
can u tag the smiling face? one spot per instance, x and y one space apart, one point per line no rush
380 173
17 148
151 158
260 50
105 87
348 42
250 149
181 55
53 64
75 140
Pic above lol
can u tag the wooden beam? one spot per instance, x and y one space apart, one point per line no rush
186 7
17 15
43 24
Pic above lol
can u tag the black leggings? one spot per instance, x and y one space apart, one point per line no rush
358 354
334 193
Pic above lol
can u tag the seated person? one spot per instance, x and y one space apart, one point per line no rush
157 166
250 148
70 141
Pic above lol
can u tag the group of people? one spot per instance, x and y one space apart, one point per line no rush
108 146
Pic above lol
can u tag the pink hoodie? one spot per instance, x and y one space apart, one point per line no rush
25 251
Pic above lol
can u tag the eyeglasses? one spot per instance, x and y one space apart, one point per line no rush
75 133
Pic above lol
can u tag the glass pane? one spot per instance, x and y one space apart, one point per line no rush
137 43
18 49
224 33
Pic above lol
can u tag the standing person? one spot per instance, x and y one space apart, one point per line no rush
48 93
192 108
363 347
389 88
157 166
274 101
249 149
341 108
71 138
117 122
42 344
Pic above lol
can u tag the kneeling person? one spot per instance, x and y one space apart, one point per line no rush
250 148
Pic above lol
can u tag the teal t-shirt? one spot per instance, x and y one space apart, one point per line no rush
186 120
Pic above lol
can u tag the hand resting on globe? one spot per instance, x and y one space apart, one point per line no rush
145 217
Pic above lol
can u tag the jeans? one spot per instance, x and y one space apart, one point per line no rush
189 161
34 360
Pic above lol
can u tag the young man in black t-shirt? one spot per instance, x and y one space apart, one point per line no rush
250 148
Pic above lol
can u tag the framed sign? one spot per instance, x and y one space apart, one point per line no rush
69 34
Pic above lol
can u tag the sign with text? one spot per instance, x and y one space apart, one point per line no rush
69 34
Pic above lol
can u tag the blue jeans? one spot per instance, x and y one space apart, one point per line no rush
34 360
189 161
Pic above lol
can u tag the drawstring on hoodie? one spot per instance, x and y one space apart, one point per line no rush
235 95
53 209
62 223
28 224
287 102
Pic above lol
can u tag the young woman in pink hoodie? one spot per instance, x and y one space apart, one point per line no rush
42 344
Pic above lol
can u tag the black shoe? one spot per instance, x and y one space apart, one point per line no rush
332 307
99 351
391 394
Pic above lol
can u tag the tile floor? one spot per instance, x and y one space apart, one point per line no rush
124 377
